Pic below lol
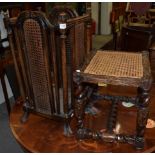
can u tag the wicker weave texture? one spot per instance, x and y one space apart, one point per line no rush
117 64
79 45
37 65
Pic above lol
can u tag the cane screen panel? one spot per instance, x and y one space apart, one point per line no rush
79 43
37 65
117 64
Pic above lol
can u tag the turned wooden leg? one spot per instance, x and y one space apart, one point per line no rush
67 130
80 110
90 108
26 108
111 124
142 116
80 102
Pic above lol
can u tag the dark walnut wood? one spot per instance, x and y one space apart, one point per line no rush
152 60
41 134
40 75
50 91
118 12
136 38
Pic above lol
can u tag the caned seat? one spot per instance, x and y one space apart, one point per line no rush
117 64
116 68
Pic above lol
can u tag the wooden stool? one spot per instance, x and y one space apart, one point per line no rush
114 68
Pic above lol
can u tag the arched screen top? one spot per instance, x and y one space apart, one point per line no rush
36 15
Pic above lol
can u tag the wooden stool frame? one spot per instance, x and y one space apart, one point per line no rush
141 102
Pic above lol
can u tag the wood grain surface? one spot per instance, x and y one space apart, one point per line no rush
41 134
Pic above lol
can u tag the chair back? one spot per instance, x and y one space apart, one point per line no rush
136 38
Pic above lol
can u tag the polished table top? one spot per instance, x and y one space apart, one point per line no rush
41 134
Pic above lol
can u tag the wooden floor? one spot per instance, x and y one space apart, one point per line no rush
40 134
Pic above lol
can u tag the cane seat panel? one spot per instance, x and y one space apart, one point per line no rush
116 64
